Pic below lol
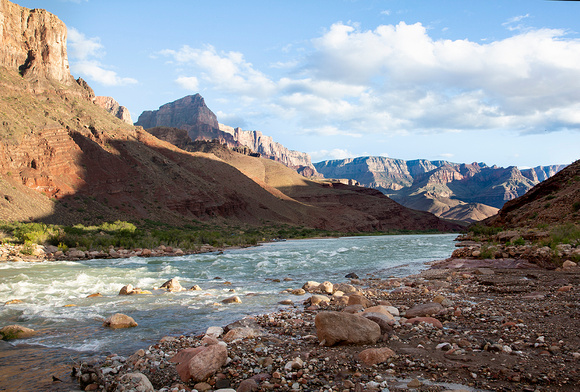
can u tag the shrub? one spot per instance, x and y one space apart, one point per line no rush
565 234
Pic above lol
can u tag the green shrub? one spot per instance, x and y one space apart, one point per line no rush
565 234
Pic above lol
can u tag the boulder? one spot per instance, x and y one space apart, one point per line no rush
232 300
119 320
16 332
241 333
340 327
75 253
214 331
345 288
310 286
317 299
137 381
385 322
374 356
357 299
126 290
569 264
353 309
172 285
326 288
424 310
199 363
380 309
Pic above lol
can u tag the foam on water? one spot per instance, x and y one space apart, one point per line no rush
48 288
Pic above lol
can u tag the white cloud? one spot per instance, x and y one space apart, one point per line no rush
226 71
331 131
83 55
336 153
188 82
513 23
80 47
95 71
396 79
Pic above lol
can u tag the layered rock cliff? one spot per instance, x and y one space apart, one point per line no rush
192 115
33 42
450 190
113 107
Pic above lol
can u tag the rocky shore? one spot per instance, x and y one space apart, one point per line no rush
492 325
15 252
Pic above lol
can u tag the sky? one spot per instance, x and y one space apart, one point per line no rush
464 81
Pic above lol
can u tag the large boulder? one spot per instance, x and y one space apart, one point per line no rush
199 363
119 320
340 327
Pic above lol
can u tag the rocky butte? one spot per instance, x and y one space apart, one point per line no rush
191 114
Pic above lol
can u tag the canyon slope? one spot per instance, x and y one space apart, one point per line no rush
191 114
464 192
555 201
64 159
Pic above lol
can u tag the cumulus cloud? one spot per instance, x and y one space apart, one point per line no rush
226 71
84 54
397 79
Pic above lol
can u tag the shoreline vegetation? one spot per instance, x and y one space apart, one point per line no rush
120 239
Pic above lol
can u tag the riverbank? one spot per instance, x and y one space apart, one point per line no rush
477 328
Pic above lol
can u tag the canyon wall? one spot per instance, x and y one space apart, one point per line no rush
33 43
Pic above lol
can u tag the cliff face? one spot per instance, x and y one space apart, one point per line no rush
113 107
443 188
33 43
268 148
191 114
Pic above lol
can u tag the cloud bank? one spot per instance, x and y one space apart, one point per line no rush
397 79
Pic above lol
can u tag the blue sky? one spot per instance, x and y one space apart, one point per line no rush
465 81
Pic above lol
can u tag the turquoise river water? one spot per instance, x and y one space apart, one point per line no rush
69 324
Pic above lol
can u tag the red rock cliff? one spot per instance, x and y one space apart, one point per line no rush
33 42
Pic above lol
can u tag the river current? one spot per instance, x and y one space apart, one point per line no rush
55 304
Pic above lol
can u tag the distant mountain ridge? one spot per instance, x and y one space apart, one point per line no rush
466 192
191 114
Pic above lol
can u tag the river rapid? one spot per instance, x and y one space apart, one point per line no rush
69 325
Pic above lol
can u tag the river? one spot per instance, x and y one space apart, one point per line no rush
69 325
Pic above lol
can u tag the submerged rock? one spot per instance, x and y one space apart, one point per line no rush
16 332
